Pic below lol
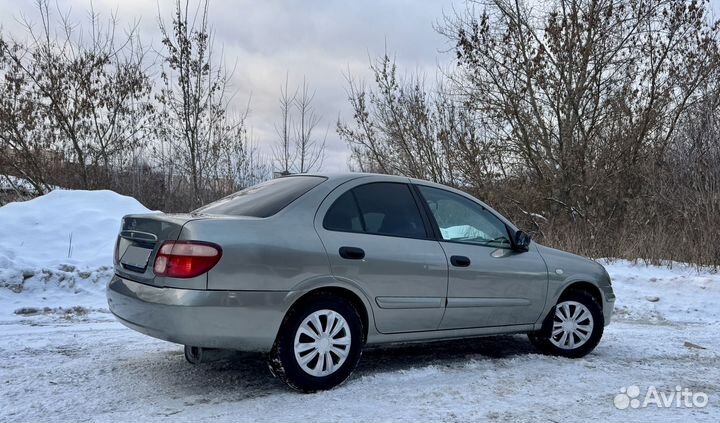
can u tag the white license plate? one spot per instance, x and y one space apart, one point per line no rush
136 256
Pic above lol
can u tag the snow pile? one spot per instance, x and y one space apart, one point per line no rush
60 243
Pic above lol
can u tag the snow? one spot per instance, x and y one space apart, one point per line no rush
58 244
66 359
538 216
23 185
9 182
684 295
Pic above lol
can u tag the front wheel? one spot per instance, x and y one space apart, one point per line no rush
573 329
319 344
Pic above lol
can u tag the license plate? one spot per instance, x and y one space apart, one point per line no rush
136 256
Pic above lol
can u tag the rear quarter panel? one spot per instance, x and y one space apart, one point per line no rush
260 254
276 253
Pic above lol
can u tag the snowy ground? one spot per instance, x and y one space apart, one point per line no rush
66 359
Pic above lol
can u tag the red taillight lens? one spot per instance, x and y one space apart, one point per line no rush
186 259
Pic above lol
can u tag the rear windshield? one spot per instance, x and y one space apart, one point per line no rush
265 199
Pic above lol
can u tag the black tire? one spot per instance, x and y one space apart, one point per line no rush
193 355
282 361
542 338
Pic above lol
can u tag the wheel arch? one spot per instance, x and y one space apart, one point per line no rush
577 283
350 293
583 286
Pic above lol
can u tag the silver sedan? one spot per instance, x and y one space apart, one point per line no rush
311 268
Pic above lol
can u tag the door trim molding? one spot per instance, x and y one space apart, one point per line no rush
409 302
464 302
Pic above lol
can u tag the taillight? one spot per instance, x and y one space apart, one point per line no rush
186 259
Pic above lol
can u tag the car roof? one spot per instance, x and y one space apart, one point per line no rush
348 176
341 177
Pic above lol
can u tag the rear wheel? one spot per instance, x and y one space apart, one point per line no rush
319 344
573 329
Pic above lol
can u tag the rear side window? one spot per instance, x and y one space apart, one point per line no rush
381 208
344 215
265 199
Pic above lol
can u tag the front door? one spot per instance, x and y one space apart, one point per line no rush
490 284
376 238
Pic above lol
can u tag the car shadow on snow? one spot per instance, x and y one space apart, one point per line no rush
246 375
442 353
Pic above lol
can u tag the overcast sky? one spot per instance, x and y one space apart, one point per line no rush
322 40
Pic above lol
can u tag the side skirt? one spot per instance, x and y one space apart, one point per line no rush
444 335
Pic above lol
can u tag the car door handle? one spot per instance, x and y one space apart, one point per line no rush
352 253
460 261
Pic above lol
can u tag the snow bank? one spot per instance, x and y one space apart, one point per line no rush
60 243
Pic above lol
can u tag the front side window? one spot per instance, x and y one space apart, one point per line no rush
462 220
380 208
265 199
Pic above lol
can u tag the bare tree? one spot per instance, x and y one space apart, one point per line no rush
21 141
583 92
283 152
310 150
77 110
75 96
298 150
686 195
572 117
402 127
194 120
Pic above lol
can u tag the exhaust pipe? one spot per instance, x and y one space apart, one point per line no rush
197 355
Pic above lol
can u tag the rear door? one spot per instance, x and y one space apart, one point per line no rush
377 238
490 284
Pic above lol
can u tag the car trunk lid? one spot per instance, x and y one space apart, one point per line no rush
140 238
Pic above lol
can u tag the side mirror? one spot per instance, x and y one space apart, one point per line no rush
521 241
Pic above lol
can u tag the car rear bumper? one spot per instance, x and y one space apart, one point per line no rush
241 320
